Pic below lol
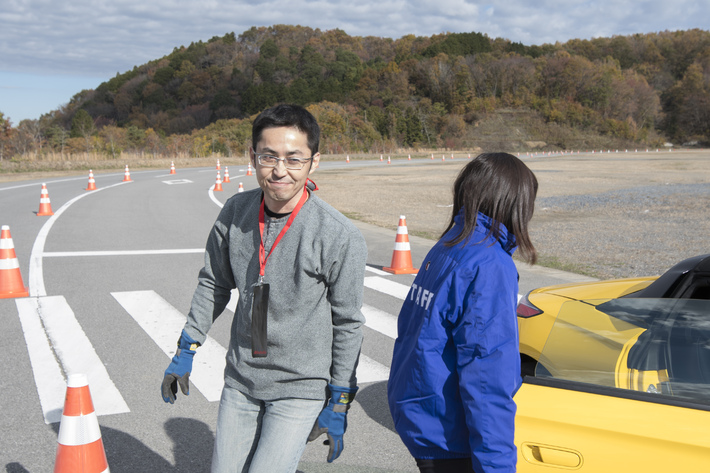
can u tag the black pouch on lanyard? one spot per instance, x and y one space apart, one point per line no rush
259 311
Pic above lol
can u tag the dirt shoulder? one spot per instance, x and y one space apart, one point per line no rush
617 214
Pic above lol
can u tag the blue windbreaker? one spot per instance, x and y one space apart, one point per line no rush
456 365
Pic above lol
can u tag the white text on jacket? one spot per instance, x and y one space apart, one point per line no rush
423 296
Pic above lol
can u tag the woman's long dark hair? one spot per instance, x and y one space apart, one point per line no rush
502 187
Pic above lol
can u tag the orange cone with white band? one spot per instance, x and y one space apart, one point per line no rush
218 184
249 173
402 255
45 206
347 158
79 445
92 182
126 175
226 175
172 167
241 187
218 168
10 278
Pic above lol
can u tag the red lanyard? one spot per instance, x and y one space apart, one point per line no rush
262 252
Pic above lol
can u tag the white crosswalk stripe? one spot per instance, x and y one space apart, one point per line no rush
164 323
57 345
387 286
65 339
379 320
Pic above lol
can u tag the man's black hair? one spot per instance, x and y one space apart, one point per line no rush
287 115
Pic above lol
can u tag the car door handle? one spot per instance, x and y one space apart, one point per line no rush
549 455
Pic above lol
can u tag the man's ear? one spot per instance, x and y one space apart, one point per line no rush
314 164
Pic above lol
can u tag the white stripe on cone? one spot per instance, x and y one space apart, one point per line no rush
79 430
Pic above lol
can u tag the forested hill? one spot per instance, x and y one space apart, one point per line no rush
413 91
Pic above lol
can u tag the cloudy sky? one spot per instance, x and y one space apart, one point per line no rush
50 50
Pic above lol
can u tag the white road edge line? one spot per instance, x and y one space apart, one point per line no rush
214 199
36 275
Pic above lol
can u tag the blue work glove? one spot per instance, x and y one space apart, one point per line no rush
333 419
179 370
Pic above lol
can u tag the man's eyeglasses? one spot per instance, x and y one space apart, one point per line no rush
269 161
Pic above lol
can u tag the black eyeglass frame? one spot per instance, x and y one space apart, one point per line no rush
301 161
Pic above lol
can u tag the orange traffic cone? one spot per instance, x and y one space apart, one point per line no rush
92 182
79 445
127 175
432 156
45 207
347 158
380 158
172 167
218 184
402 255
249 173
241 187
226 175
10 277
409 157
388 160
218 168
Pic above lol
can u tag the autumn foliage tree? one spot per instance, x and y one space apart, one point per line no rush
373 93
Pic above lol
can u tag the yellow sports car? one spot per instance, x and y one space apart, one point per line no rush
617 374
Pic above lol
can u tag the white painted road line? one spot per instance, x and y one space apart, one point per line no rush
75 353
36 278
178 251
214 199
164 323
387 286
50 383
370 371
381 321
232 304
379 272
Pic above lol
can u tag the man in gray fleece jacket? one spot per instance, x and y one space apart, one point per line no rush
298 265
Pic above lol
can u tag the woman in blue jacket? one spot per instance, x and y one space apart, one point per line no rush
456 365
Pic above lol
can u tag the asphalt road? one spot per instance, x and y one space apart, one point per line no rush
142 241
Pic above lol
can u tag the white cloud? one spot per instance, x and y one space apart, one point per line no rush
98 38
104 37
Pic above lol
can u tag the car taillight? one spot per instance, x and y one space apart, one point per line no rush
526 308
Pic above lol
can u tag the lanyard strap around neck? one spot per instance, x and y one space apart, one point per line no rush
262 251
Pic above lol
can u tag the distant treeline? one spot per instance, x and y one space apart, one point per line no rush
372 93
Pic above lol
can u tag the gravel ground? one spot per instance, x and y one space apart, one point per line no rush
606 215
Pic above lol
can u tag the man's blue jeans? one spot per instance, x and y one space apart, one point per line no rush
255 436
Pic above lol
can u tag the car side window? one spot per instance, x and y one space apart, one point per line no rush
700 289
